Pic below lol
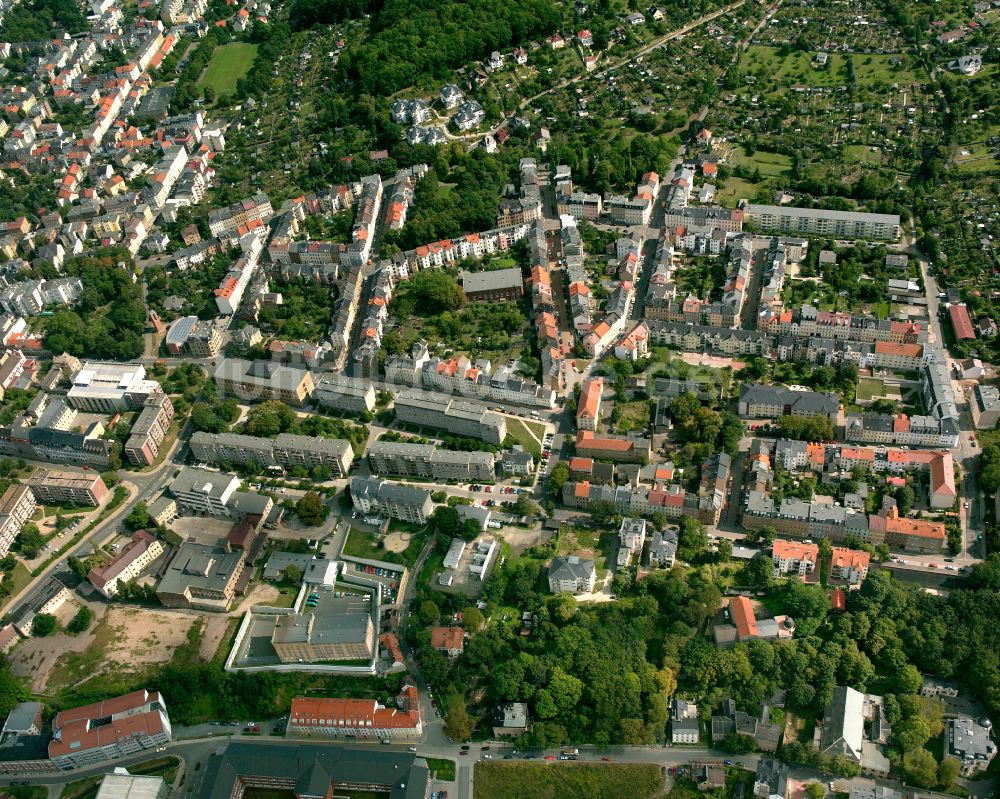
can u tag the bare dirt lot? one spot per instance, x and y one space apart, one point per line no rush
123 639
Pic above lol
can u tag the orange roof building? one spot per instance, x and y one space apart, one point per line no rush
449 640
356 718
741 612
588 412
961 323
793 557
109 729
850 565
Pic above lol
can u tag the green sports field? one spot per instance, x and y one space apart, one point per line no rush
229 63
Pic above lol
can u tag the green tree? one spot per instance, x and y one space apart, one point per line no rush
81 621
138 517
457 723
692 539
904 496
472 619
920 768
429 612
558 476
562 607
947 772
310 509
815 790
44 624
291 575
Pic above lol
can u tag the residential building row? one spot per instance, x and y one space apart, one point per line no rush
391 500
286 451
430 462
460 417
705 504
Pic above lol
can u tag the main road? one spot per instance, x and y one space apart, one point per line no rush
145 485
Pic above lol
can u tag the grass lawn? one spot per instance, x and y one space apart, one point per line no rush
528 434
362 544
441 769
20 577
559 780
634 415
869 388
229 63
771 165
769 67
736 189
862 154
872 69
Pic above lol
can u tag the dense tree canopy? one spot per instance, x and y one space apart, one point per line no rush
415 41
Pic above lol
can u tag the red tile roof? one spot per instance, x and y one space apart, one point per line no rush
447 638
960 322
741 612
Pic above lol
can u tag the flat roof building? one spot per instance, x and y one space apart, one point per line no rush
110 387
122 785
825 222
257 381
313 771
50 486
202 576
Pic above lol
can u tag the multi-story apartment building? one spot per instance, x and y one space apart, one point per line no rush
758 401
17 505
111 729
793 557
229 220
149 430
202 577
572 574
823 222
405 503
57 487
631 537
200 338
203 492
110 387
612 448
985 406
428 461
588 411
264 380
920 431
850 565
291 450
137 555
459 417
357 718
345 393
462 376
287 450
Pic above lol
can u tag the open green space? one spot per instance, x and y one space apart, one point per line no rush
560 780
863 154
363 544
229 63
770 165
736 189
19 577
869 388
772 69
441 769
527 434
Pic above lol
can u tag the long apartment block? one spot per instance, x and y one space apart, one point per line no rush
287 450
427 461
